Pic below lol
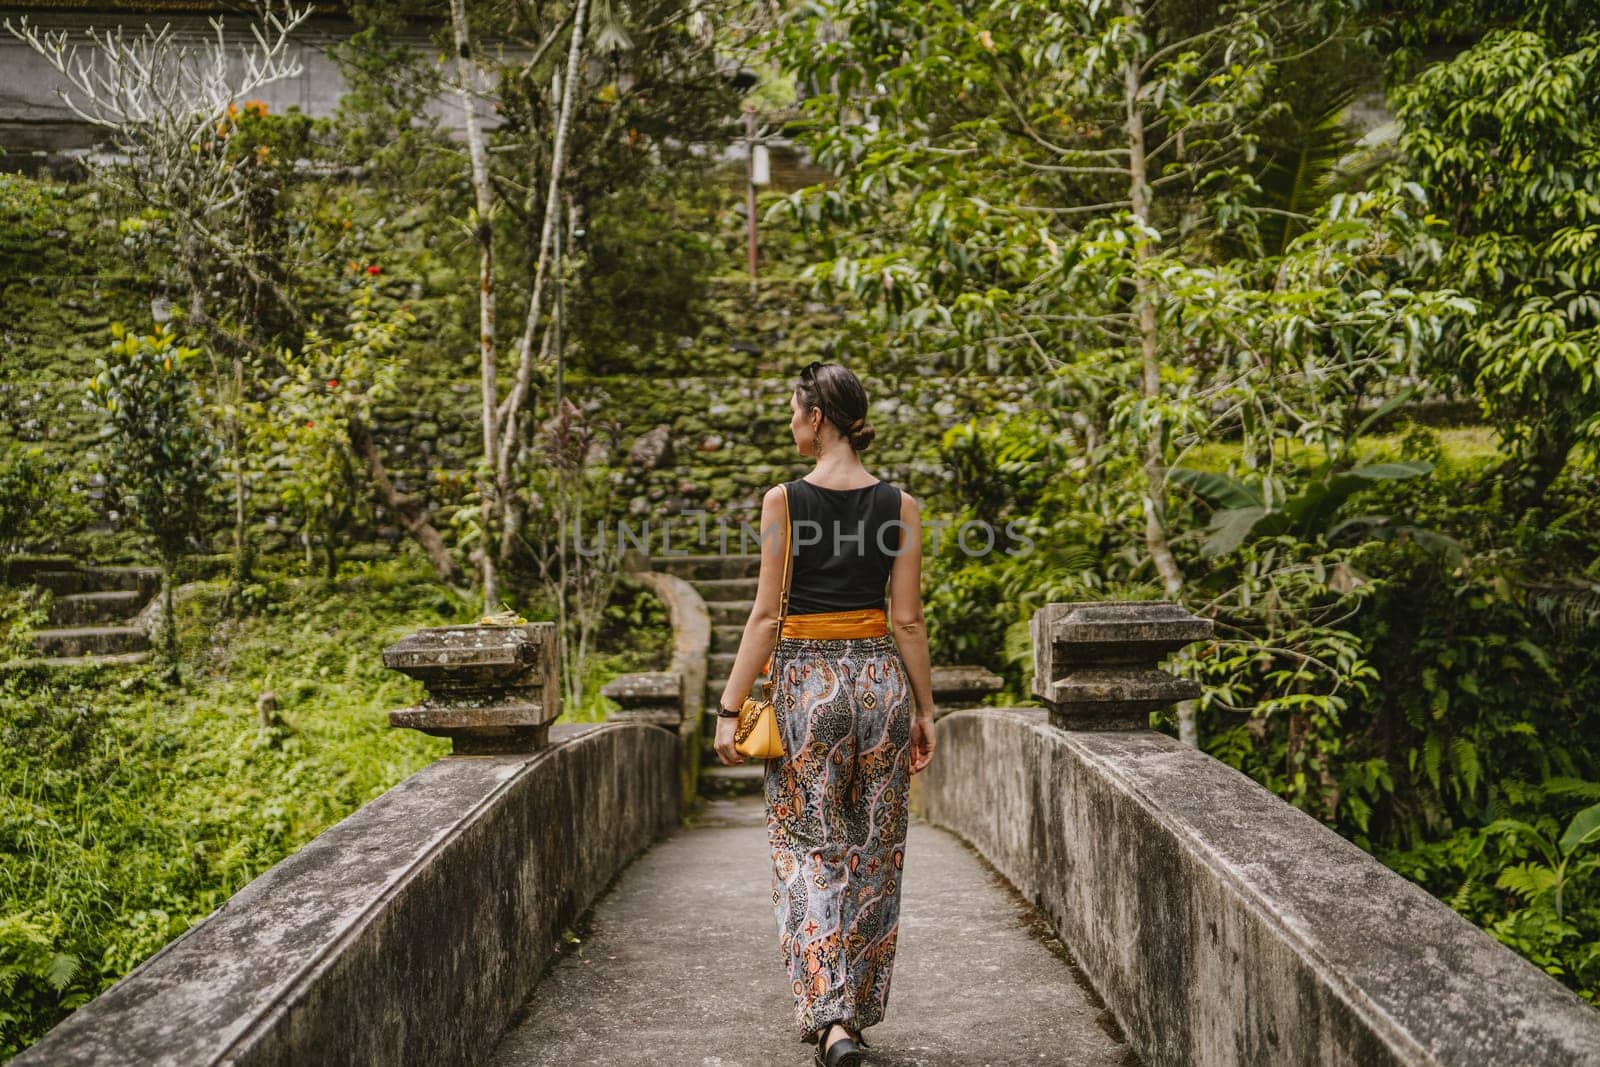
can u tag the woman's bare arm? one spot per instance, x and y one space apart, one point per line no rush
905 606
761 630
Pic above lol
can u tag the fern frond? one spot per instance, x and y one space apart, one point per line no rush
1527 880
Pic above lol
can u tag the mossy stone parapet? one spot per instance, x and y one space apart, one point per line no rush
490 688
410 932
1223 926
1094 662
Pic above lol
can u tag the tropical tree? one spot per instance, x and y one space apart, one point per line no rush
1074 190
1504 140
313 425
597 97
1055 187
188 152
162 463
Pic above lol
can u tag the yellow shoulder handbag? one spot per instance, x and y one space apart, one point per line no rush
757 735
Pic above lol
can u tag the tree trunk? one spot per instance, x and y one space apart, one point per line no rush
1155 471
169 621
412 515
467 71
510 411
243 551
1155 493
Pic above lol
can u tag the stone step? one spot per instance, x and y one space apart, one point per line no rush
707 566
726 612
714 684
725 589
87 609
714 692
718 779
19 570
99 580
90 641
59 582
121 659
727 638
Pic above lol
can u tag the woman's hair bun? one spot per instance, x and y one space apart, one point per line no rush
842 398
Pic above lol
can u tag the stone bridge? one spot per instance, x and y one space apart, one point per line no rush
1079 889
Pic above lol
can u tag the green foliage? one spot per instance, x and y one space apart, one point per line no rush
1244 511
129 810
23 201
33 973
645 260
22 611
1533 890
381 122
34 505
302 428
1408 34
1506 145
1065 513
1543 881
162 462
1379 674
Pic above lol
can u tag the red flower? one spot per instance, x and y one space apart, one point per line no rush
374 269
309 424
333 383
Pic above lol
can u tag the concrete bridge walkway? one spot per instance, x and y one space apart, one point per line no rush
679 964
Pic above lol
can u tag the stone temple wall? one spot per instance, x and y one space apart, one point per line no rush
668 446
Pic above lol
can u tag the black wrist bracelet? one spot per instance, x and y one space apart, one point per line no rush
724 713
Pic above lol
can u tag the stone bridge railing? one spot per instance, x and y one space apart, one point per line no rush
1220 924
411 931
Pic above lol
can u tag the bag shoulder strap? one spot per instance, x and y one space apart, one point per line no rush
788 555
783 593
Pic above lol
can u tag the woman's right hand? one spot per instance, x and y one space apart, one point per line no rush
726 753
921 742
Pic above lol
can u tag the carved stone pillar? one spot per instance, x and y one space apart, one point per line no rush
490 688
1094 662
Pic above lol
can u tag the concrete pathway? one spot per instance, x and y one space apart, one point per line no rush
679 964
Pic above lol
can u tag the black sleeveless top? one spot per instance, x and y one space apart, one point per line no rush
843 548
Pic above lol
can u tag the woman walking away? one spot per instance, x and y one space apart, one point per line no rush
845 682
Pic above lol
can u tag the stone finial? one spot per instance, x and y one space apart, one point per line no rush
1094 662
490 688
647 696
961 686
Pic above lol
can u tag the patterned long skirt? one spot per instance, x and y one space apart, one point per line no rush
837 812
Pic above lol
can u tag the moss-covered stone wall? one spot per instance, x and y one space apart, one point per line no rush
69 268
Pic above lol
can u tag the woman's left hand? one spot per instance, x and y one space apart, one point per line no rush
724 741
922 742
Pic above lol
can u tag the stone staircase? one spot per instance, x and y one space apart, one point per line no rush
94 611
728 586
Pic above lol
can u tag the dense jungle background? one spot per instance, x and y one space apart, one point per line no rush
1282 311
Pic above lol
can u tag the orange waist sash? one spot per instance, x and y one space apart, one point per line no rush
866 622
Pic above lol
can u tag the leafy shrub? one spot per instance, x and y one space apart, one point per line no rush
129 809
34 505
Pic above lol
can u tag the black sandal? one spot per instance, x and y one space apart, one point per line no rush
842 1053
